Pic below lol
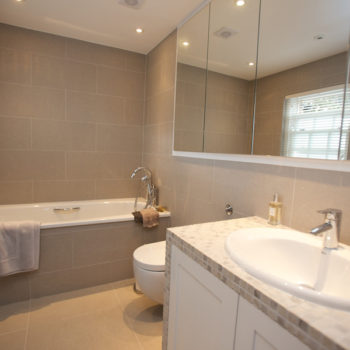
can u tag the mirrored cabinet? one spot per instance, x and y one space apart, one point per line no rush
264 77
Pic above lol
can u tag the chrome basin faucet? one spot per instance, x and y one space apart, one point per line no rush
330 227
150 188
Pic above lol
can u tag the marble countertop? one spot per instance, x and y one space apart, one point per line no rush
319 327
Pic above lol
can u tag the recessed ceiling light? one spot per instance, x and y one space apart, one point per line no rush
19 0
251 64
240 2
319 37
139 30
185 43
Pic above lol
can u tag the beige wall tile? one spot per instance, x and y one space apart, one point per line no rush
120 83
133 112
63 135
56 252
96 54
91 107
61 73
31 165
15 66
121 188
15 192
53 191
106 244
30 40
14 288
15 133
90 165
135 62
112 138
160 107
26 101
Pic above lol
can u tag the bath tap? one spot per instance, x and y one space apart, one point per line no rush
150 188
331 227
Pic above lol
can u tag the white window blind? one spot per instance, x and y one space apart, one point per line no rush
312 123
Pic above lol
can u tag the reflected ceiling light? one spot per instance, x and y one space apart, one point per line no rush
185 43
19 0
240 2
251 64
139 30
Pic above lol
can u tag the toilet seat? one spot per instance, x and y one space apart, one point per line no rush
151 257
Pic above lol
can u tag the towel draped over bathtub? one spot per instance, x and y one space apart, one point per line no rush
19 246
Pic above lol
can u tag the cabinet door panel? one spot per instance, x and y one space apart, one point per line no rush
256 331
202 310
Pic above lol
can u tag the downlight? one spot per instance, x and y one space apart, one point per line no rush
134 4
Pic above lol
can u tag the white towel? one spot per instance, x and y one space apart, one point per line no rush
19 246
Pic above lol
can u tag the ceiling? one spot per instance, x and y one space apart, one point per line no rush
287 35
103 22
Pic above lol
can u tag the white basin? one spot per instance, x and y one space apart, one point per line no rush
294 261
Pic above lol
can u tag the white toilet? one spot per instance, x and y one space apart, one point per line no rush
149 268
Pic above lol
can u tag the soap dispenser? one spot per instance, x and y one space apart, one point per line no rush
275 211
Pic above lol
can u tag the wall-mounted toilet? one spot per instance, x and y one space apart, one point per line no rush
149 269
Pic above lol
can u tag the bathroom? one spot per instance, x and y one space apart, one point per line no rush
85 99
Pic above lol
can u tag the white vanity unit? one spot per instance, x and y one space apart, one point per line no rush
212 303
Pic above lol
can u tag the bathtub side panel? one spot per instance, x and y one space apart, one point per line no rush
81 256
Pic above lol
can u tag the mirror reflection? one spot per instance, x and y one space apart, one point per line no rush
286 98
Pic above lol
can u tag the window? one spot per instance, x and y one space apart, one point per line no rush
312 123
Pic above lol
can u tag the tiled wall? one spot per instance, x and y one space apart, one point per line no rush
197 190
226 121
71 116
272 90
79 257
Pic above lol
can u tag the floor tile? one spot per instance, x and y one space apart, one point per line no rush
13 317
13 340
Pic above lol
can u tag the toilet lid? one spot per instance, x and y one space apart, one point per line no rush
151 256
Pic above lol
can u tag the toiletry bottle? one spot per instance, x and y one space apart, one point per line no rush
275 211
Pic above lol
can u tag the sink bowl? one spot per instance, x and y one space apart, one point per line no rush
295 262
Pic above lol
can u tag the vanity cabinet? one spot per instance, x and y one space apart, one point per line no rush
256 331
202 309
206 314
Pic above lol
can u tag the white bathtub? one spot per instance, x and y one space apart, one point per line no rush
59 214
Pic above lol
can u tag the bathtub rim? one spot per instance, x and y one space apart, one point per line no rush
81 222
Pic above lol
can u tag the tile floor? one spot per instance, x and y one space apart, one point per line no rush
109 316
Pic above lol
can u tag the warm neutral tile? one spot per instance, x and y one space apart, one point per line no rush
63 135
98 108
120 83
56 252
13 317
29 40
143 316
106 244
133 112
160 108
15 133
60 73
25 101
96 54
98 165
112 138
15 192
135 62
14 288
63 190
121 188
31 165
15 66
13 340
